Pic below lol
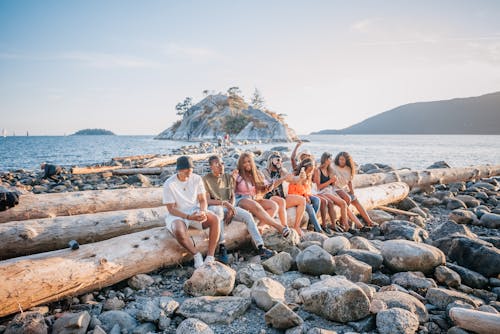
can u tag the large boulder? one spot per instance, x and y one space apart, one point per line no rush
413 280
363 244
379 216
314 260
461 216
402 300
374 259
449 228
266 292
336 299
475 254
275 241
336 244
213 279
352 269
282 317
402 229
470 278
211 309
404 255
490 220
396 321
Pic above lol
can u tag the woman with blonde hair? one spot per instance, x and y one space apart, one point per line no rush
345 169
250 186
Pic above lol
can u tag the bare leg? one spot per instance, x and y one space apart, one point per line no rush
322 208
179 230
281 209
363 213
260 213
212 223
343 209
345 196
300 203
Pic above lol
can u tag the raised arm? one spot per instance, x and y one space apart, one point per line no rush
293 157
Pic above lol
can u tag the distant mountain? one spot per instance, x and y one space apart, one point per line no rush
471 115
93 132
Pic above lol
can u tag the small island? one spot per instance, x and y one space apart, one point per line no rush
93 132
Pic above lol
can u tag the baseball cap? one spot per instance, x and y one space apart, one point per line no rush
184 162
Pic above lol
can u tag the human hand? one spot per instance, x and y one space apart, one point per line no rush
200 216
235 174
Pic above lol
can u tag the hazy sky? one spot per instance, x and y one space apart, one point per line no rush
123 65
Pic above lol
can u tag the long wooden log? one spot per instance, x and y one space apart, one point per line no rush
477 321
427 176
20 238
93 169
41 278
26 237
397 211
135 157
33 206
144 171
170 160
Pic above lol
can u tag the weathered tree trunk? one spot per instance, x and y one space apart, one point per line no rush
75 203
92 169
427 176
41 278
46 277
144 171
397 211
135 157
477 321
20 238
160 162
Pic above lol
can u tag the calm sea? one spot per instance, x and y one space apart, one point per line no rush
413 151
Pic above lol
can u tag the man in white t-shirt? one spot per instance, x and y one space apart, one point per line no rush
185 197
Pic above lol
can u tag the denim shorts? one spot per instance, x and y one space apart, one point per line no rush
238 198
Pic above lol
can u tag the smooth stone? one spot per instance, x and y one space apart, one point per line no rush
454 203
490 220
352 269
282 317
461 216
379 216
361 243
402 229
314 260
193 326
442 297
413 280
212 309
448 228
111 318
447 276
72 323
113 304
407 204
275 241
375 260
469 201
397 321
141 281
336 244
213 279
404 255
250 273
314 236
402 300
301 282
145 328
279 263
266 292
475 255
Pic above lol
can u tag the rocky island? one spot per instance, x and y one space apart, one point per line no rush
93 132
221 114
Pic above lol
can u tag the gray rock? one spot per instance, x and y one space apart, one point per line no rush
214 309
352 269
469 201
315 260
485 185
402 300
396 321
461 216
415 281
364 325
140 179
457 330
402 229
404 255
375 260
282 317
113 304
380 216
145 309
120 318
447 276
367 289
72 323
250 273
365 244
490 220
168 305
141 281
431 202
407 204
27 322
380 279
336 244
336 299
314 236
476 255
279 263
449 228
266 292
193 326
442 297
439 164
454 203
213 279
99 330
301 282
242 291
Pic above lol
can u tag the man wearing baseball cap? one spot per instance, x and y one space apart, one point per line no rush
185 197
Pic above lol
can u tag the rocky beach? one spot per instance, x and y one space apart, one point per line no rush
434 251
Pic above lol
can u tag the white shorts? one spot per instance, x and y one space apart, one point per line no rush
326 190
169 220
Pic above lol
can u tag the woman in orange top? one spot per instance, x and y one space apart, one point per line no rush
303 188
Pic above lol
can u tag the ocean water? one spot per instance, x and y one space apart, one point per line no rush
412 151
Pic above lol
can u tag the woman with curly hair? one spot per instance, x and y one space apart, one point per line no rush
250 187
345 169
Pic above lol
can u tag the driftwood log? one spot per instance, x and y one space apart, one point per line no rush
25 237
32 236
41 278
93 169
170 160
143 171
477 321
427 176
135 157
33 206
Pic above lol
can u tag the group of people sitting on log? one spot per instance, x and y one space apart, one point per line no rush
248 194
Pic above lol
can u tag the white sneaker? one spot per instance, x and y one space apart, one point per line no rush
209 259
198 260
